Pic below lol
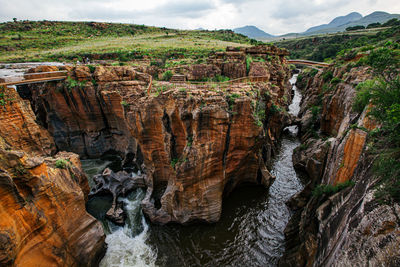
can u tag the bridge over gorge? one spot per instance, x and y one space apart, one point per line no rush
309 63
29 78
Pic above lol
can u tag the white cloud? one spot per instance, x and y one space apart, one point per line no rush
273 16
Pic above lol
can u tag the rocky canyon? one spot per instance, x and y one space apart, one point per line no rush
193 142
350 227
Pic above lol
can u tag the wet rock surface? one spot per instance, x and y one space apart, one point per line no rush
118 185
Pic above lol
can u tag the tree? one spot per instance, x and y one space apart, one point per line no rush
374 25
354 28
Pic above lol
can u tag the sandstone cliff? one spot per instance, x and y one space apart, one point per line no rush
43 221
196 142
200 143
84 115
350 227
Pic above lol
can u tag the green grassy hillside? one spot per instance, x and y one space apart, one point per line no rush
325 48
68 41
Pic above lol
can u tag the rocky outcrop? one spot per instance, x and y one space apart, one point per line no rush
43 220
350 227
199 144
117 184
18 127
346 229
233 63
85 115
200 72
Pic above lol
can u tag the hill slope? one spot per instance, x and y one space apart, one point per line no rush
70 41
252 32
321 48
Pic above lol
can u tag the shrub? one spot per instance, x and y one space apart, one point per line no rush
71 83
335 81
302 147
174 162
326 88
313 72
355 28
249 59
189 141
383 60
62 164
388 168
329 190
231 100
391 22
124 103
259 112
2 96
363 95
327 76
374 25
166 76
92 68
315 111
385 97
220 78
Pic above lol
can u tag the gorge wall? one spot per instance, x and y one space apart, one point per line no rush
43 221
195 142
350 227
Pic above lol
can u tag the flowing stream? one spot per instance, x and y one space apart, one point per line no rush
250 232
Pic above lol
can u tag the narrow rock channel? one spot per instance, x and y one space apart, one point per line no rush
250 232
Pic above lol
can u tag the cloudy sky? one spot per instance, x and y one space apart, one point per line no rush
272 16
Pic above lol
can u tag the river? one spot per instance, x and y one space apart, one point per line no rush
250 232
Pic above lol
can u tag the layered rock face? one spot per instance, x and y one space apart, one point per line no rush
19 129
350 227
196 142
85 114
43 220
199 143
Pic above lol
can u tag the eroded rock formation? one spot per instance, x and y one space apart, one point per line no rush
197 142
43 221
233 63
116 184
350 227
85 114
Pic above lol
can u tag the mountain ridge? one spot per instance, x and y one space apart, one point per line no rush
252 32
338 21
349 21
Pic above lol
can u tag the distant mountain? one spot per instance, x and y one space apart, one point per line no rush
253 32
377 16
354 16
340 24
